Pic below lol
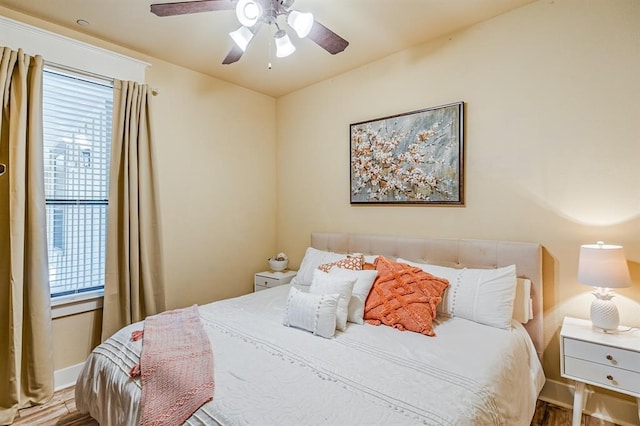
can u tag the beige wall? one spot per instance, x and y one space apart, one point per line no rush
552 142
217 189
74 337
216 156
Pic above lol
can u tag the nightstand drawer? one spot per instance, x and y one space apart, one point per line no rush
269 279
267 282
609 377
605 355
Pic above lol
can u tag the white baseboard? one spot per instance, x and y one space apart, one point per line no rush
598 405
66 377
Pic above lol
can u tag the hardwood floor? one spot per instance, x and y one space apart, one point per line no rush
551 415
61 411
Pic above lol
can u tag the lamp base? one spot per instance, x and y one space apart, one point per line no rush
604 315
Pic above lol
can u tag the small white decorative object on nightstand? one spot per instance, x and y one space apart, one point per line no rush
269 279
610 361
279 262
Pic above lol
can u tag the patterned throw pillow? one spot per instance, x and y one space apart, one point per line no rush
350 262
404 297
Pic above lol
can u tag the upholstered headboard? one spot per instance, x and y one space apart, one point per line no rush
454 253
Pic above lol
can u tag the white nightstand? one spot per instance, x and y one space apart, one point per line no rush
268 279
610 361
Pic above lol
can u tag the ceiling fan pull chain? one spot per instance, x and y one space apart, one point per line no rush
271 41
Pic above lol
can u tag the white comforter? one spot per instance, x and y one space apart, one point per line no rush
269 374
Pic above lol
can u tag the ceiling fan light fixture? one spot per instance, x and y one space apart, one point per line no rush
301 22
284 47
253 15
248 12
242 36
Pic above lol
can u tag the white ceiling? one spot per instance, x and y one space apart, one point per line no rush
374 29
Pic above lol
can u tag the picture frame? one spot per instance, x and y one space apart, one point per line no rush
410 158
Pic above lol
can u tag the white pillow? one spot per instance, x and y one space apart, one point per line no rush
522 305
361 289
324 283
368 258
310 262
312 312
482 295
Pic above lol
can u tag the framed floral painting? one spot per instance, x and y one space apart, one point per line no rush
411 158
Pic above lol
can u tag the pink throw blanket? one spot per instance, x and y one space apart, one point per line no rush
176 367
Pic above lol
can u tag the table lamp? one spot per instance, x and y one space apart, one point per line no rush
604 267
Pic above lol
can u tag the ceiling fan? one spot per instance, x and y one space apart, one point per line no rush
252 14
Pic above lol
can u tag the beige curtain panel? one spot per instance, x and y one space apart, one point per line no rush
26 360
134 283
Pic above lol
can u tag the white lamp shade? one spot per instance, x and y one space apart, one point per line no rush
602 265
300 22
248 12
242 36
284 47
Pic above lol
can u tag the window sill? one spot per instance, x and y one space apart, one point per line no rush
76 304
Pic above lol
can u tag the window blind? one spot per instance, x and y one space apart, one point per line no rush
77 118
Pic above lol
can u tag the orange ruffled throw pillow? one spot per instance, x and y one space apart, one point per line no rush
404 297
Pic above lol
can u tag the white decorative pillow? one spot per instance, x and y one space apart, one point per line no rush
482 295
312 312
361 289
522 305
310 262
370 258
323 283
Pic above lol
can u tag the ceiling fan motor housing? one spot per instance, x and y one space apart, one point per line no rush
285 3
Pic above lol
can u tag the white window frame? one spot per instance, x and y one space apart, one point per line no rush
83 300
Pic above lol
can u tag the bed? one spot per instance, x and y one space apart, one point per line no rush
268 374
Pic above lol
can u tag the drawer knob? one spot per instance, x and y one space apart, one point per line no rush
609 357
610 377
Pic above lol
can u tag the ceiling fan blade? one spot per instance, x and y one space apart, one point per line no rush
327 39
236 52
185 7
234 55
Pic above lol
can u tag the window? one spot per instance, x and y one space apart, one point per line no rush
77 116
